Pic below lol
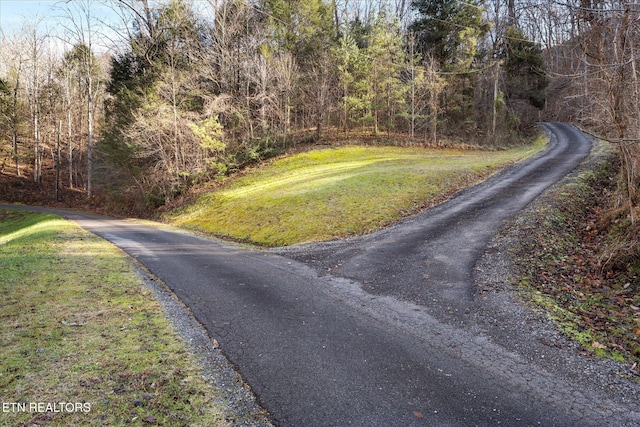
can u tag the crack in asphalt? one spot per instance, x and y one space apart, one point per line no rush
379 329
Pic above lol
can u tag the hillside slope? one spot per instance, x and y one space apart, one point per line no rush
339 192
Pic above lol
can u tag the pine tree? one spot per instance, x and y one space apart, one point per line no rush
449 30
352 69
386 88
156 93
526 76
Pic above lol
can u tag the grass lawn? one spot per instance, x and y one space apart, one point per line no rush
338 192
78 326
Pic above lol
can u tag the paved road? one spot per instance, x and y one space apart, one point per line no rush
429 259
364 332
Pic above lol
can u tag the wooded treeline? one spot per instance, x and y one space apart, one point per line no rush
597 85
192 90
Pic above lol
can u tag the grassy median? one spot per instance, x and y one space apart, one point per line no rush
82 341
339 192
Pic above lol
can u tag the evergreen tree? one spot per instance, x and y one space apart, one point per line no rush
370 64
305 29
524 66
449 30
386 89
156 101
302 27
354 68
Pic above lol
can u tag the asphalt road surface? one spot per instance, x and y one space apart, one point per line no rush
371 331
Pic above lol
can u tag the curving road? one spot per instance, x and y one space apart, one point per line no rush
429 258
373 331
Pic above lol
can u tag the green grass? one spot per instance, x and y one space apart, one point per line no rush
338 192
77 325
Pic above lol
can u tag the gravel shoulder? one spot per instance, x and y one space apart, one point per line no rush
500 314
506 314
240 401
498 311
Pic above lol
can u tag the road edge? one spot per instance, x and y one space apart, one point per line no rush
534 334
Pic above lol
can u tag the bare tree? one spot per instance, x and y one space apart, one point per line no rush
34 43
81 28
229 65
434 85
14 55
285 74
323 82
609 39
67 82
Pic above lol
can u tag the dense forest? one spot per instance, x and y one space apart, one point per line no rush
190 91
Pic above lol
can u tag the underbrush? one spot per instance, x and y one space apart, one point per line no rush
580 264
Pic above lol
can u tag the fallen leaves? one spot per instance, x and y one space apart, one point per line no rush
561 258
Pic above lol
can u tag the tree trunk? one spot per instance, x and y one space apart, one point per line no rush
14 122
36 142
58 161
89 137
174 106
70 145
511 11
16 157
495 102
